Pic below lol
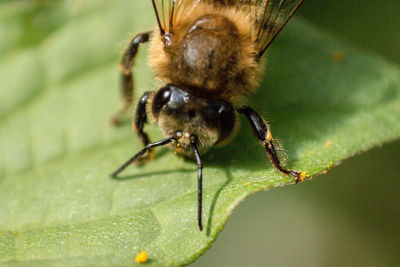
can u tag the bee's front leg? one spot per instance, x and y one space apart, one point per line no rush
138 121
127 86
263 134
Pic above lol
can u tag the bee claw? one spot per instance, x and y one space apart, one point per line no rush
299 176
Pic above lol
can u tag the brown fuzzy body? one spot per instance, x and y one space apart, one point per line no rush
207 54
210 53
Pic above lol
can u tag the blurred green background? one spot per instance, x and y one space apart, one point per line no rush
348 217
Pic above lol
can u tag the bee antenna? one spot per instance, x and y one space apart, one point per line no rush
193 143
171 17
158 18
140 153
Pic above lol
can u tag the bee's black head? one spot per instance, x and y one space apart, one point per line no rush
175 110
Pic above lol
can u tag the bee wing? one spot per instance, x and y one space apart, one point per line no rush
169 12
270 17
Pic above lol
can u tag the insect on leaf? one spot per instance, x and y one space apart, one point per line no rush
325 101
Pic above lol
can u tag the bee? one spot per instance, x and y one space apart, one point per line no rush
207 54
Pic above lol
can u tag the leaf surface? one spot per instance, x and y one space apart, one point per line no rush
324 99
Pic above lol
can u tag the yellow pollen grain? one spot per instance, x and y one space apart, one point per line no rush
330 165
328 143
248 183
325 171
141 257
269 136
302 176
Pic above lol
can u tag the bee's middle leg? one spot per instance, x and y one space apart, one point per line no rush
127 83
263 134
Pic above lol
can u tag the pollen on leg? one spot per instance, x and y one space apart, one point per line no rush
269 136
124 70
302 176
134 128
267 144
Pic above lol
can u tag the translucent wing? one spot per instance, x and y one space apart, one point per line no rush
170 12
270 17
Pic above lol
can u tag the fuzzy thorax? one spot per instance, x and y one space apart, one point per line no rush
210 52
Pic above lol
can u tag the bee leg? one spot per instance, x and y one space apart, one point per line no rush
196 153
261 131
138 121
140 153
127 86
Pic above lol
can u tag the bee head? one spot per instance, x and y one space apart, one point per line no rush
177 112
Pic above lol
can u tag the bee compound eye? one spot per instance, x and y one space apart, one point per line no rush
162 97
166 95
221 109
224 109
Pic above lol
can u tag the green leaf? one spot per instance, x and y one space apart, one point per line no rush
325 101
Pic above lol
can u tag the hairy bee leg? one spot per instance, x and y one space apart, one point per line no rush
261 131
127 86
138 121
140 118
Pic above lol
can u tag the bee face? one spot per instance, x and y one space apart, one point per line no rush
177 111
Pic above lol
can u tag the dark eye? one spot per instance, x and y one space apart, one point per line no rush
166 94
161 98
226 116
224 109
191 113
